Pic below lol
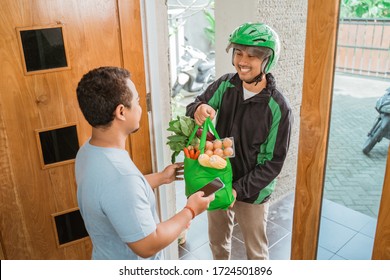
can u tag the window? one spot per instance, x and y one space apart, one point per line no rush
69 227
57 145
43 49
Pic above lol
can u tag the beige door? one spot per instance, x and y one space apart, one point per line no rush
34 193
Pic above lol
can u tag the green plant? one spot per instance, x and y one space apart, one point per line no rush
210 30
182 127
365 9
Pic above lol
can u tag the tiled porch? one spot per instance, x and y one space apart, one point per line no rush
344 234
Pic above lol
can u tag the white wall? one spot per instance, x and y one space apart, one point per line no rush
194 22
228 15
288 18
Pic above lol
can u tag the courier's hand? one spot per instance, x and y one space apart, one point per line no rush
234 201
202 112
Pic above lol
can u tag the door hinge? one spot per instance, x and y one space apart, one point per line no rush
149 102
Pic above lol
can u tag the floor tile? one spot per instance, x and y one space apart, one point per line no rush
197 235
334 236
281 250
344 233
337 257
281 211
343 215
324 254
358 248
182 252
370 228
203 252
188 256
275 233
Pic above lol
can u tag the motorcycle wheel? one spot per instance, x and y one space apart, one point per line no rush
176 89
374 137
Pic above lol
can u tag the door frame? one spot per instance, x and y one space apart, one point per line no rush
320 56
159 98
381 250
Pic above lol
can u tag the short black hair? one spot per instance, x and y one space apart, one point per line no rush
100 91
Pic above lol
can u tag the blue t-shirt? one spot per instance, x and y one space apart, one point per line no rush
115 200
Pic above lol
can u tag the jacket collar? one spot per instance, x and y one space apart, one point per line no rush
265 93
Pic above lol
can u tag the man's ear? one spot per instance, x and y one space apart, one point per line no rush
264 64
120 112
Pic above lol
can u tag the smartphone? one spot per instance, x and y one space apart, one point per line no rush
212 187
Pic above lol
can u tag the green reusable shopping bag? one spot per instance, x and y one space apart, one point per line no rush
196 175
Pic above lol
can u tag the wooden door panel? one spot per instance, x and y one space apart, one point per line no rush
133 60
315 112
30 194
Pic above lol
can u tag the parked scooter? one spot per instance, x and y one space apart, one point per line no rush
381 126
195 72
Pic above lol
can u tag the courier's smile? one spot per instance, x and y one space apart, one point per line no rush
244 69
246 72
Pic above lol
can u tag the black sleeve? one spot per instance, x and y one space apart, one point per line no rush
249 186
206 95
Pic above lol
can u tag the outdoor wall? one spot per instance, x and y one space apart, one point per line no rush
194 22
363 47
289 21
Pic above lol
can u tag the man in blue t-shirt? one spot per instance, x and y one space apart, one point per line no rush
116 201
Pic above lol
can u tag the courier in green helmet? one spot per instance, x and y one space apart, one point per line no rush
247 106
259 40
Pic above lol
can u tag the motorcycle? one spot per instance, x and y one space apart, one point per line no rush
195 72
381 127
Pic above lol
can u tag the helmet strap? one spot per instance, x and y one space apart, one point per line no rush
257 79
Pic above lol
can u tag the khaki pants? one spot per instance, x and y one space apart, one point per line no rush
252 219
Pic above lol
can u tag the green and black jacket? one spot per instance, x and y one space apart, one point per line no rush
261 127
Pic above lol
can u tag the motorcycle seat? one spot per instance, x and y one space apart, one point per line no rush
383 103
205 66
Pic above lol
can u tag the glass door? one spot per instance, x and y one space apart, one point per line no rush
358 143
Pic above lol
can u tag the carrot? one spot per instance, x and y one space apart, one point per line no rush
186 152
197 154
192 153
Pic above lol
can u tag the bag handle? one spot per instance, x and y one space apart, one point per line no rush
192 135
212 128
207 125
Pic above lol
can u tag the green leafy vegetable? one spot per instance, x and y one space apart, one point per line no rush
182 127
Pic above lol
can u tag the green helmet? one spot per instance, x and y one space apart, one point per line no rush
257 35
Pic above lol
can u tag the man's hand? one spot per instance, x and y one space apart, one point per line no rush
199 203
173 172
234 201
202 112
